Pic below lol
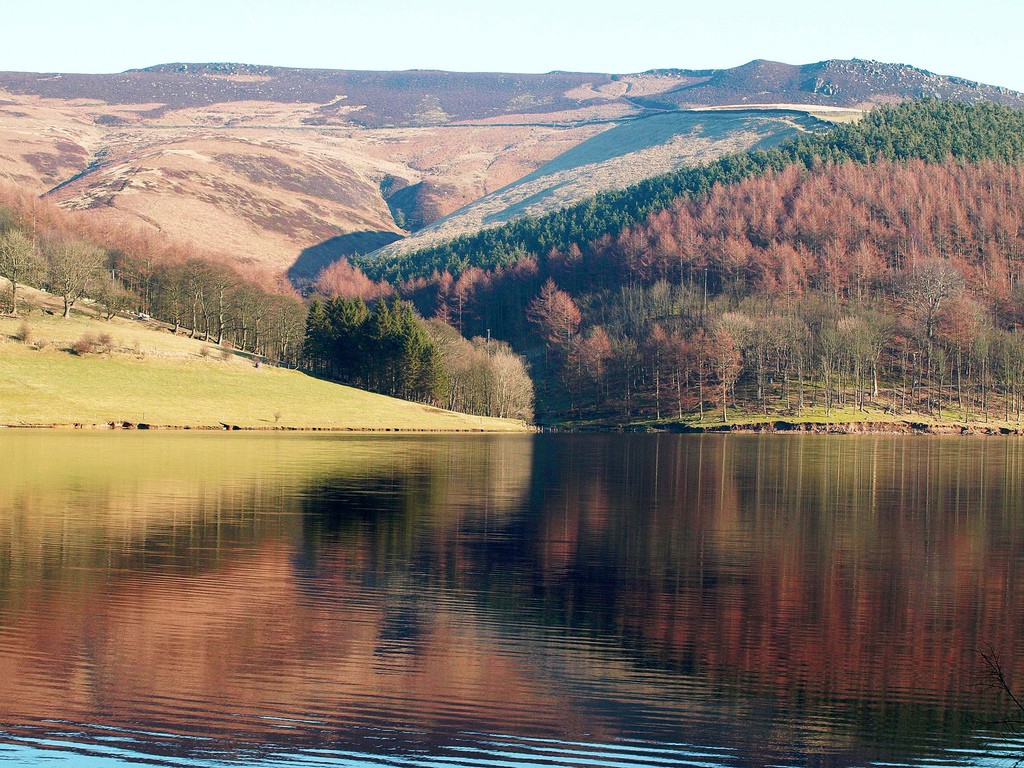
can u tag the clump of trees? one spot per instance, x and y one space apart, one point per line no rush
66 266
124 271
483 376
386 347
213 302
383 348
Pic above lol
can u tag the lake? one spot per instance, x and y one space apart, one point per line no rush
231 599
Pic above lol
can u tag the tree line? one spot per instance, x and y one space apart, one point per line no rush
209 301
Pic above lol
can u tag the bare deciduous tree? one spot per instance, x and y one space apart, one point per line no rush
71 268
19 261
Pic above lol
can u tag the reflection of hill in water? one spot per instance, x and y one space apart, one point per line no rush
661 587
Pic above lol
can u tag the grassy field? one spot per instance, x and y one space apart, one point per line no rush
147 375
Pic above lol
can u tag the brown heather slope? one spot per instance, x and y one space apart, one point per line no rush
252 180
265 164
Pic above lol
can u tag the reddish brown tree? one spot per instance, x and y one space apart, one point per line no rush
342 280
556 315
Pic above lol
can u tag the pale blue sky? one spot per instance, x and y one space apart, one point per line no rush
980 40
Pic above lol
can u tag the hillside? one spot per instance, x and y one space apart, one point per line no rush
870 272
839 83
285 170
87 371
619 157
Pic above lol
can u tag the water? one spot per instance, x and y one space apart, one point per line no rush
266 600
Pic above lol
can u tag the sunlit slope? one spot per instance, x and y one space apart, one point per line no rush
615 159
152 377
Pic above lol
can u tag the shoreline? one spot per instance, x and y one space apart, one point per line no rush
792 427
128 426
901 427
771 427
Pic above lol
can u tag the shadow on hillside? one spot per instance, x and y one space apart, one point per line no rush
318 256
772 126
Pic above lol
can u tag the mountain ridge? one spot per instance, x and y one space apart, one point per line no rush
263 163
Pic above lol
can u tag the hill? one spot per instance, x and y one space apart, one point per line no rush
90 372
285 170
840 83
873 271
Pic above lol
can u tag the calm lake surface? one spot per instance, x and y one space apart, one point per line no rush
227 599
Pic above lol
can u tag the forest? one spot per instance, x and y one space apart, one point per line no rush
929 130
876 267
894 284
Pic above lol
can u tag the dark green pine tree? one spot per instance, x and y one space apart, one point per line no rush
349 344
318 339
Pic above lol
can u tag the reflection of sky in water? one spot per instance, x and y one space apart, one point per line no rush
490 750
600 600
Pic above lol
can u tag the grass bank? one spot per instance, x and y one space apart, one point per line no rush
848 420
139 373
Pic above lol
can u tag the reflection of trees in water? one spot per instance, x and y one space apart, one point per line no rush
189 501
411 504
824 570
695 548
812 569
836 575
309 606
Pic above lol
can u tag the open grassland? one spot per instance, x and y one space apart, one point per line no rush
140 374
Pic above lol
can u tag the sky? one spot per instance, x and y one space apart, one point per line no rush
979 40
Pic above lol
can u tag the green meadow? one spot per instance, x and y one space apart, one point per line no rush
140 373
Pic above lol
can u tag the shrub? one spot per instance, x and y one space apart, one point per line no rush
84 345
25 333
